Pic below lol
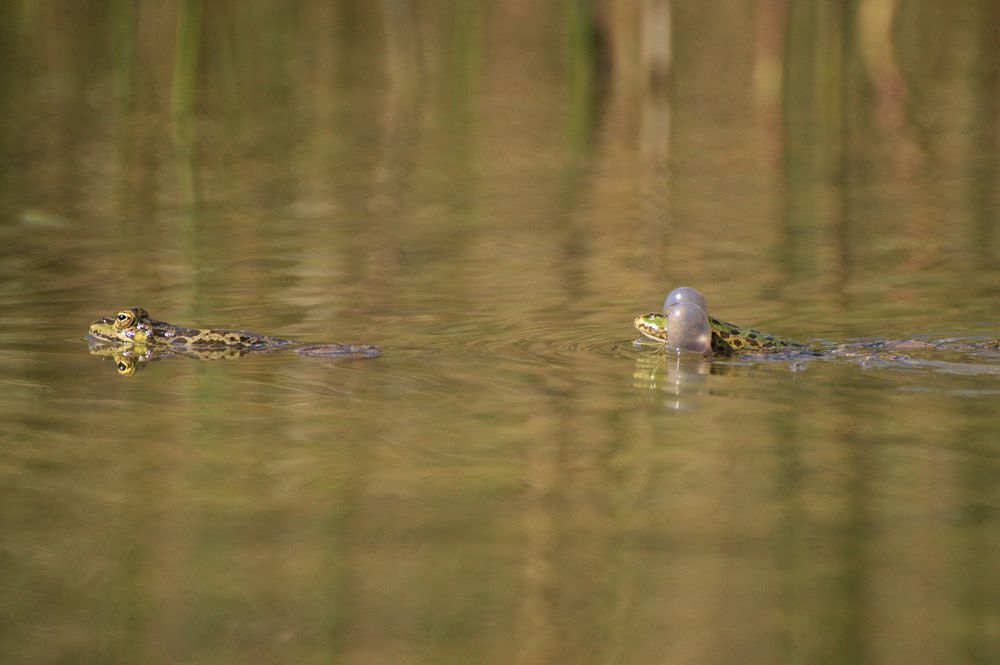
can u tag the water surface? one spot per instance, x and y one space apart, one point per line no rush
491 195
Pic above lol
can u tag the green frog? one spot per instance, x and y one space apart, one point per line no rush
685 324
133 338
727 339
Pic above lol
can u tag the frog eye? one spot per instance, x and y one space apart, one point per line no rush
125 366
124 319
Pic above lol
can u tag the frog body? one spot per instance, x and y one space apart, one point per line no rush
132 337
728 339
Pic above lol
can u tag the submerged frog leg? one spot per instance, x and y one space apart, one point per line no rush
338 350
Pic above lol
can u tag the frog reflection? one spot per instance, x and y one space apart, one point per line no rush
132 358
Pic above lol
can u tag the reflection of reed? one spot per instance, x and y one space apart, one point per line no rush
813 112
124 26
183 92
536 632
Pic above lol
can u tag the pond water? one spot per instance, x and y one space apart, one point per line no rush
491 194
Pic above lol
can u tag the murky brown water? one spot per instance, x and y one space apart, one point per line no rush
491 196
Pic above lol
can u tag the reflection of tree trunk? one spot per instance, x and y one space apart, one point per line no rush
952 103
638 41
654 59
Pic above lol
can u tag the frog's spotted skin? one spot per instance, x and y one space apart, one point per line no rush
132 337
727 339
134 325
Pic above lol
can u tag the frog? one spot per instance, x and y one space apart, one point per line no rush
684 324
727 338
132 338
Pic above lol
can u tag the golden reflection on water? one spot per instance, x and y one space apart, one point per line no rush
491 193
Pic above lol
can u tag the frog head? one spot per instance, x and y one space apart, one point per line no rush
130 325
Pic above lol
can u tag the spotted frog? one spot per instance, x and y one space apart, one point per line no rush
685 324
132 338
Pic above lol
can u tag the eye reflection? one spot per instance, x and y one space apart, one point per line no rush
126 366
